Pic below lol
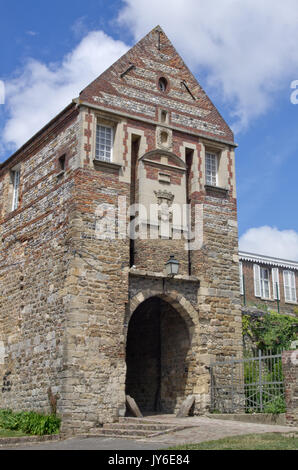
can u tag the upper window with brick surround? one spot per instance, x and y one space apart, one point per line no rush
104 143
163 84
211 168
290 286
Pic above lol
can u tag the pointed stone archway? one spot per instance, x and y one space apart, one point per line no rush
159 351
176 300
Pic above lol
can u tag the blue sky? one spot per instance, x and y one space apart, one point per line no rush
51 50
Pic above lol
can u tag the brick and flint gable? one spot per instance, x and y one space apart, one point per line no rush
130 86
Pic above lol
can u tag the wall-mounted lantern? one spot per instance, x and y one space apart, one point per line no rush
172 266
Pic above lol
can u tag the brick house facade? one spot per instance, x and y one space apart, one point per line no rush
89 319
268 282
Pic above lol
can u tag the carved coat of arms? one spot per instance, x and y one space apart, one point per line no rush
165 200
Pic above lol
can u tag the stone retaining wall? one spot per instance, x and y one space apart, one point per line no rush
290 371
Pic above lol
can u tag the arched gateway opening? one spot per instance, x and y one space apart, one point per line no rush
158 356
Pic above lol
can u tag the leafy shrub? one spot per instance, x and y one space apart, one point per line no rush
29 422
272 331
8 420
276 407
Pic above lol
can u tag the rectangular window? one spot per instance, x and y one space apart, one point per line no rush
290 286
62 163
257 280
189 158
241 278
275 283
211 169
16 187
265 285
104 143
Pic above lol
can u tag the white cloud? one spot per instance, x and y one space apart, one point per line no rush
270 241
248 47
42 90
80 27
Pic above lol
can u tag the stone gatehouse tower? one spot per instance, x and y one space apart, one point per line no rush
89 318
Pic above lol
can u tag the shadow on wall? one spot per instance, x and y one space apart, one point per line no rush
158 345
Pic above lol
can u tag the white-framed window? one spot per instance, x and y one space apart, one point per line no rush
211 168
265 284
241 278
290 286
257 280
16 188
104 143
261 282
275 283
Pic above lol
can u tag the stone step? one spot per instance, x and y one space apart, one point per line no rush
126 431
121 431
131 434
141 431
115 436
134 434
140 426
143 421
98 433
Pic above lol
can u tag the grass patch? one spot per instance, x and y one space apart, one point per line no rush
269 441
9 433
29 423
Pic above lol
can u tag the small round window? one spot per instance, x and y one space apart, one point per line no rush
163 84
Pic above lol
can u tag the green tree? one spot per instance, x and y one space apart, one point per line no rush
272 331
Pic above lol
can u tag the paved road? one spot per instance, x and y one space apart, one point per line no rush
205 429
93 443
